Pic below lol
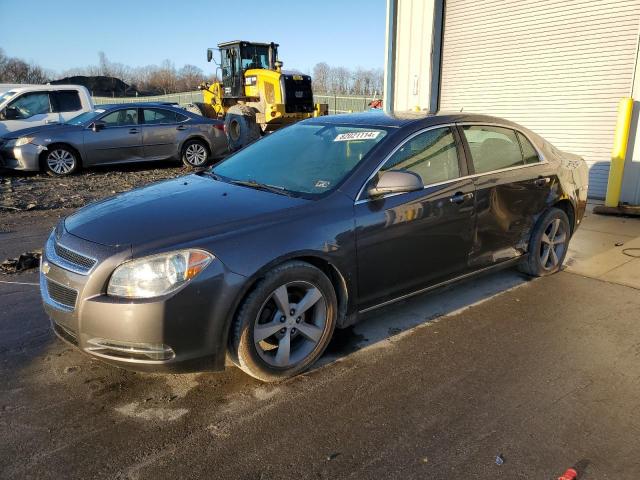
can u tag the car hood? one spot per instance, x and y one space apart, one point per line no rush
182 209
43 130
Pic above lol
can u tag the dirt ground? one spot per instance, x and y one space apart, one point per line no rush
34 201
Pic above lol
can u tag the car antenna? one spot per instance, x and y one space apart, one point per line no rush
461 109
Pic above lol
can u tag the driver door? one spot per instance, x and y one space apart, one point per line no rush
120 139
409 241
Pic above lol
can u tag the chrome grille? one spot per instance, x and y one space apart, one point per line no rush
60 294
80 261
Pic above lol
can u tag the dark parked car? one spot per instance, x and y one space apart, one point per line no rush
115 134
302 232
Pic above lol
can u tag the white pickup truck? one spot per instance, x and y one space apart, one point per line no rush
24 106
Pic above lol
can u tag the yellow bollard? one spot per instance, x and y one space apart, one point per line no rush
620 140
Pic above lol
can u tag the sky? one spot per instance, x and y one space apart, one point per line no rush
63 34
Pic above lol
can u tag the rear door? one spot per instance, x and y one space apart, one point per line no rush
119 141
511 191
409 241
160 132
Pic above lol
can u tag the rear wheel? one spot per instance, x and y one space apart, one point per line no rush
241 126
285 323
195 154
60 160
549 244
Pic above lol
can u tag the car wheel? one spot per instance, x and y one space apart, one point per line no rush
241 126
285 324
195 154
61 160
549 244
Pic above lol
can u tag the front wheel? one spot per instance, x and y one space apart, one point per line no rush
61 160
285 324
549 244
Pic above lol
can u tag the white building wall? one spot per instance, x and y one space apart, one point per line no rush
631 181
413 54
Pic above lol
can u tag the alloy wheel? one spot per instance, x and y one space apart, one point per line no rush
61 161
290 324
553 244
196 154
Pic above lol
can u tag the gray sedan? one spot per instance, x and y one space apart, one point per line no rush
116 134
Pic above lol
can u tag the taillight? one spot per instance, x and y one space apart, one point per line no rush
220 126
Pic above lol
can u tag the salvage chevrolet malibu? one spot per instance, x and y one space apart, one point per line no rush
261 257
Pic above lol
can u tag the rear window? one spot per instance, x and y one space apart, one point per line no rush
66 101
529 153
158 115
493 148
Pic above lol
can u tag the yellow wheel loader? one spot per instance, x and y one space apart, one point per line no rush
255 95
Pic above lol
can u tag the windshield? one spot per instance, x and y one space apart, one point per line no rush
254 56
84 117
306 159
7 95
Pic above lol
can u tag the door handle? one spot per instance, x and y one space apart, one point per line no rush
460 197
542 181
133 130
181 127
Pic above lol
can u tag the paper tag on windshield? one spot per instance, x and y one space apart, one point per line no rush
345 137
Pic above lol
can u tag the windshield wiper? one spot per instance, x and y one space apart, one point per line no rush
209 173
262 186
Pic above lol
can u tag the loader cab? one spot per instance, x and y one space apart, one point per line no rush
238 57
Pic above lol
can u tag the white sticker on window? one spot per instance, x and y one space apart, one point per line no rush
322 183
345 137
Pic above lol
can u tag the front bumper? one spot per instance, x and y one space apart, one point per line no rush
183 331
26 157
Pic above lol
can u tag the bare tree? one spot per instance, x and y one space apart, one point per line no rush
189 77
320 76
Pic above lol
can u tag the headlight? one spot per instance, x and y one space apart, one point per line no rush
157 275
24 140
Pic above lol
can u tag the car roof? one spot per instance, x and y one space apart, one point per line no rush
113 106
27 87
379 118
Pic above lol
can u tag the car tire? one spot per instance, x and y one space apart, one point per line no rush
271 345
241 127
195 154
548 245
60 160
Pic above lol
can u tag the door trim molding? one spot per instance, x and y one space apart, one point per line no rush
497 266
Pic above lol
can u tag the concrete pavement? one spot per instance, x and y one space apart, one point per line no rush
544 372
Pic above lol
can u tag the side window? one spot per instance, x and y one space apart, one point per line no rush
121 118
431 154
67 101
158 115
493 148
181 118
30 104
529 153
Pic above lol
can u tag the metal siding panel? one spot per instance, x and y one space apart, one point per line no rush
556 67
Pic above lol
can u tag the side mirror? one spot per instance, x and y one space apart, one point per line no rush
11 113
395 182
209 54
97 126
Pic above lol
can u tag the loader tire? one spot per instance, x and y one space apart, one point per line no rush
241 126
200 108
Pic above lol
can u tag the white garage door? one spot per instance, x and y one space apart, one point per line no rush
556 67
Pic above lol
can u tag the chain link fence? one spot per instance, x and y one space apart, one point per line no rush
337 103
